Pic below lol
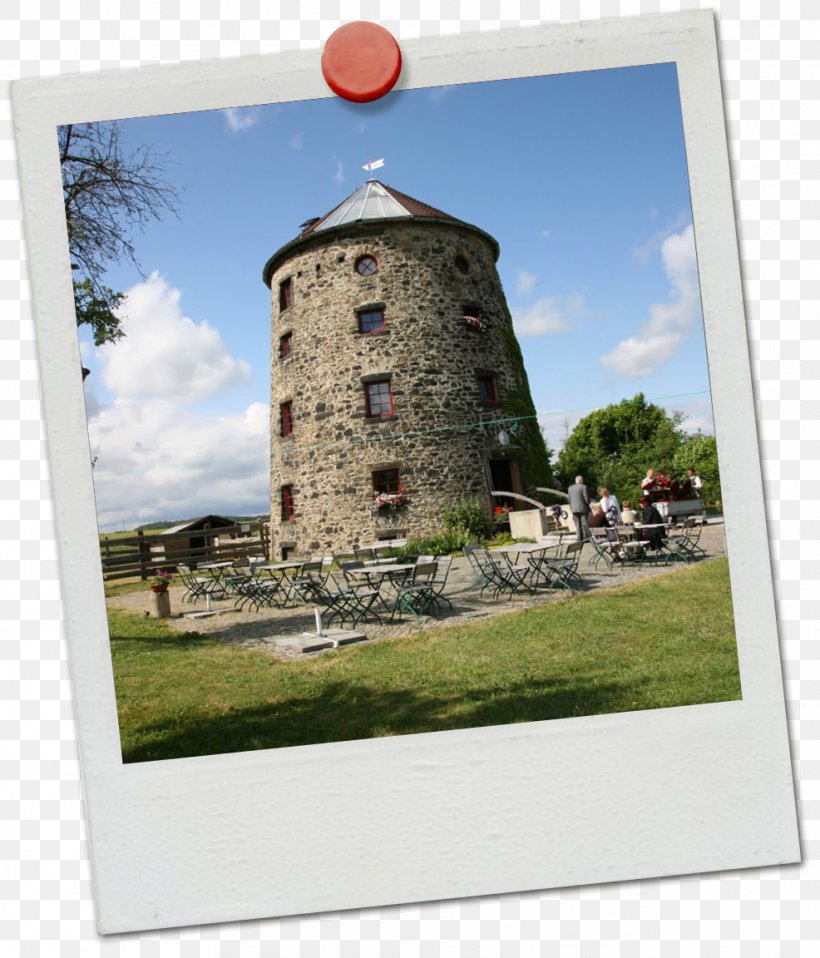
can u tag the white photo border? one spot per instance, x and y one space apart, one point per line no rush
448 814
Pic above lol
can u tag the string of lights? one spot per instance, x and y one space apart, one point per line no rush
509 423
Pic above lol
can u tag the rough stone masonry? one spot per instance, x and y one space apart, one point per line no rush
394 369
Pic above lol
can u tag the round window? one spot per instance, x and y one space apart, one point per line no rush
366 266
461 264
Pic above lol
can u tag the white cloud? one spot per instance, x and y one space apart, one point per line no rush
297 141
339 174
647 250
165 355
524 282
437 94
240 118
697 414
544 234
544 318
156 458
556 425
658 340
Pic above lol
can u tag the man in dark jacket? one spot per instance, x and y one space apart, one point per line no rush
579 506
651 517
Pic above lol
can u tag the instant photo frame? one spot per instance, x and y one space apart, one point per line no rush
449 814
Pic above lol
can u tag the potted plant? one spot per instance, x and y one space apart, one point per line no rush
502 513
160 580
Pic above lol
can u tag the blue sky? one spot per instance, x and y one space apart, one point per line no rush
581 178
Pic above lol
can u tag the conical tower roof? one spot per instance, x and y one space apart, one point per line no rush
374 201
371 203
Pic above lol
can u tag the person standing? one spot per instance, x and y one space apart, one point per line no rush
579 506
649 483
696 484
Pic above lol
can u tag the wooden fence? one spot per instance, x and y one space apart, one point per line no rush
139 555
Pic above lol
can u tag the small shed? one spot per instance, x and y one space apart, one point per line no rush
184 538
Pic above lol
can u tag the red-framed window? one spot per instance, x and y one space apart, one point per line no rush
371 320
288 507
387 481
285 345
379 397
486 388
366 265
285 293
286 419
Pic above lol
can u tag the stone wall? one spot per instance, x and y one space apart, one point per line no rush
432 359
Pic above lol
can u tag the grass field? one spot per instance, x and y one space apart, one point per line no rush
666 641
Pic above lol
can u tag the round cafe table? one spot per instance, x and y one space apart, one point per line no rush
378 577
283 574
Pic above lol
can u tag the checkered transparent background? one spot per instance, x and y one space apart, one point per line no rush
771 78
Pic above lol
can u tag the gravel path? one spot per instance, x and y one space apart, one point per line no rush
277 630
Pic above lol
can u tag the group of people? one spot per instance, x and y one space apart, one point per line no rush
588 514
658 486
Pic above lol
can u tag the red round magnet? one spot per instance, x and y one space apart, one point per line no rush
361 61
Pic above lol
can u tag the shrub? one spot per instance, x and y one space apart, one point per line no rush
467 516
505 539
443 544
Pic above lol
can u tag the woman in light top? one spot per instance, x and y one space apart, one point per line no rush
610 506
628 514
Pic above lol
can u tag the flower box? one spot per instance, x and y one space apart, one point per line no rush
389 502
474 322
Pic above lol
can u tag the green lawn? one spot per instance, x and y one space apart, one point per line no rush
666 641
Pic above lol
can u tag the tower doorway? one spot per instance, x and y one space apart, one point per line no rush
503 478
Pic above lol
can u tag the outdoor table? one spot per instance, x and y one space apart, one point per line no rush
375 577
385 544
526 548
215 568
283 574
380 572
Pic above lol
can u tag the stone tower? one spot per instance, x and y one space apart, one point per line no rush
397 383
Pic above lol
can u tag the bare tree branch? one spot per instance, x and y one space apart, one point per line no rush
107 194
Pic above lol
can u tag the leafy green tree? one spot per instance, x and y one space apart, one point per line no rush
699 452
614 446
107 192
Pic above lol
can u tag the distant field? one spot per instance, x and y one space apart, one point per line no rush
128 535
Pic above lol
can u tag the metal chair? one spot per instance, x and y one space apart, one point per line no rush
337 603
417 594
496 571
199 587
559 573
255 593
443 566
691 538
602 548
